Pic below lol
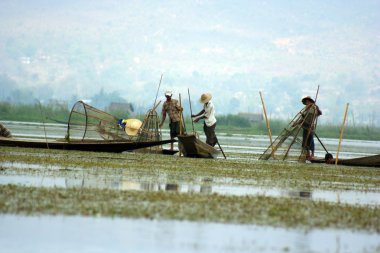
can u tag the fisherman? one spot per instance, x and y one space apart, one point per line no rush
308 118
208 113
130 126
174 110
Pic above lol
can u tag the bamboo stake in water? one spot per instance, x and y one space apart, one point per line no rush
341 134
43 122
266 120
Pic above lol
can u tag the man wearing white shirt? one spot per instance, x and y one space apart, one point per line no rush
208 113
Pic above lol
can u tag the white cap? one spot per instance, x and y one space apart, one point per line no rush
168 93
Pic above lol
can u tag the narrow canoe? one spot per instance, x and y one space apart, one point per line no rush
97 146
191 146
366 161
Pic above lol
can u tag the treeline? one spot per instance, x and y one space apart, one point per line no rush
230 124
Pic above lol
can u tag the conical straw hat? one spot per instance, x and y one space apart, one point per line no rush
132 127
206 97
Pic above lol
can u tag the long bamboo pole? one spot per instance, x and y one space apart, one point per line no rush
158 89
316 95
180 123
267 122
341 134
191 111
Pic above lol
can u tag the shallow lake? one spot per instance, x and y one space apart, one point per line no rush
87 234
237 145
98 234
126 182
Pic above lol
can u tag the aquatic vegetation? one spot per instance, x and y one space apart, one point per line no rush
284 212
244 172
171 204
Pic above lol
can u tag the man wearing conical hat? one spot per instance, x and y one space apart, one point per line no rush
308 120
208 114
130 126
173 109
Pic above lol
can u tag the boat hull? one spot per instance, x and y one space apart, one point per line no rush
96 146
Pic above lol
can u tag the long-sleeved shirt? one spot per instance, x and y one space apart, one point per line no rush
209 114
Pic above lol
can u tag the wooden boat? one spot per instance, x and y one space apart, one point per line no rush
366 161
191 146
85 145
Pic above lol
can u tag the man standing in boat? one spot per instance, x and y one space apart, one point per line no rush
173 109
308 123
208 113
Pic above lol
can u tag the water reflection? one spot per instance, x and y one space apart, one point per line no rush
204 186
299 194
128 185
97 234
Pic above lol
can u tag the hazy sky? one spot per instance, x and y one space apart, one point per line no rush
233 49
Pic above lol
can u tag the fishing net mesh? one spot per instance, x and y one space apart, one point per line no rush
89 123
294 141
150 130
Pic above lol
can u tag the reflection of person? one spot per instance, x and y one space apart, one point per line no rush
172 108
307 119
208 113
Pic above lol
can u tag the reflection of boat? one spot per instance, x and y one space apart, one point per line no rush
366 161
83 145
193 147
299 194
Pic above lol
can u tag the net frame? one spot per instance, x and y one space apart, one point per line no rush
289 145
89 123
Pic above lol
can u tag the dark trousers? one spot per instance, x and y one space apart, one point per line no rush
210 134
308 140
174 129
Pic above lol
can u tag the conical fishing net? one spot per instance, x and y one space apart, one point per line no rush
89 123
150 127
295 140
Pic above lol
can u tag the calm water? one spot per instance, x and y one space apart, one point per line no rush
19 234
125 182
97 234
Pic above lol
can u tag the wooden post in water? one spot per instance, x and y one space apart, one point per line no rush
267 122
341 134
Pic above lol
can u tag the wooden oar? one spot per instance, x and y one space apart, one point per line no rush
217 141
321 142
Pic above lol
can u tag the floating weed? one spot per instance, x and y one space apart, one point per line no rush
259 173
190 206
262 210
